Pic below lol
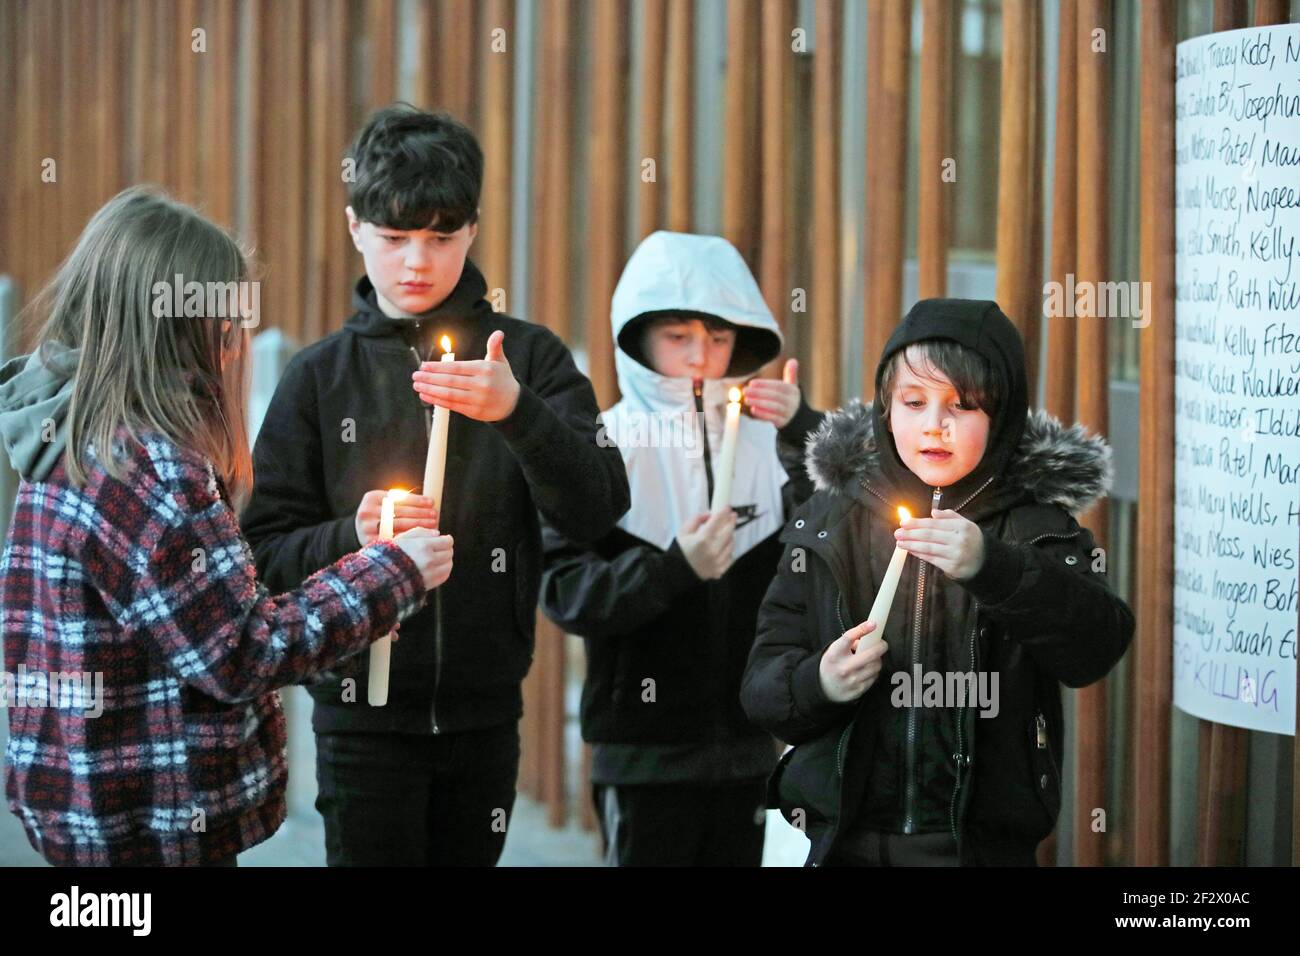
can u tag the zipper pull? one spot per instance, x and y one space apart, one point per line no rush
1042 732
934 501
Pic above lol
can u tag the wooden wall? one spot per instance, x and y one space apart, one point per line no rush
252 130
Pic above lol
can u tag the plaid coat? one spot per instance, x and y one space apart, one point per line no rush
149 582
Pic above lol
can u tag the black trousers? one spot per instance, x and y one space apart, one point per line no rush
871 848
415 799
682 824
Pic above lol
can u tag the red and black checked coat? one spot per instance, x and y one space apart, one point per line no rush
149 582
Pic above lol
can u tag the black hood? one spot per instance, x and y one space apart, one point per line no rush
464 301
981 326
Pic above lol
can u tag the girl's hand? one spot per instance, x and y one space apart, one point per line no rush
774 401
846 673
947 540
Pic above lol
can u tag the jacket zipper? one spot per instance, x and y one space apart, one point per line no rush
704 431
437 592
909 822
961 719
909 805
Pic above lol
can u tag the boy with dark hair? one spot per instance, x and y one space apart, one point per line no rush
429 778
1002 589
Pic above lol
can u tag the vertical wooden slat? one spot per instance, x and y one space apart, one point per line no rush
164 78
343 119
1230 15
740 138
1092 383
650 122
217 152
26 162
187 100
50 242
681 112
1019 281
938 21
1155 538
886 178
381 44
1221 793
552 239
607 187
773 254
1270 13
823 387
1059 372
456 48
493 243
8 91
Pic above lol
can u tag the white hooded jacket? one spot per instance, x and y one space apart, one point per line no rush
656 422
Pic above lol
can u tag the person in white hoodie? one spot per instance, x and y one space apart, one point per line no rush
667 602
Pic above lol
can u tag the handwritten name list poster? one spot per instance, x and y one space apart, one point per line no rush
1237 378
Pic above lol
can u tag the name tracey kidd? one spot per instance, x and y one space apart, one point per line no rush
103 909
945 689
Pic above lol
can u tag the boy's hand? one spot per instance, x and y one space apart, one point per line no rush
947 540
707 542
774 401
847 674
409 511
484 389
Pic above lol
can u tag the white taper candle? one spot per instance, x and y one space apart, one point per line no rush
726 469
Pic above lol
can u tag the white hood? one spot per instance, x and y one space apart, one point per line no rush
655 423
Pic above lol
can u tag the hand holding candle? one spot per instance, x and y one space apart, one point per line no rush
725 472
953 544
435 463
382 649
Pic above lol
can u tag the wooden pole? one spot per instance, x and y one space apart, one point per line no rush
492 247
824 388
608 177
740 139
681 112
1019 285
933 232
1153 651
650 139
886 179
1059 392
1092 381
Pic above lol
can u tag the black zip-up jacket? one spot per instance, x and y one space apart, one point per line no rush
345 419
1038 614
645 614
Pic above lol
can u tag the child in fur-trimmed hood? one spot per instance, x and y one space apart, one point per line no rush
1001 583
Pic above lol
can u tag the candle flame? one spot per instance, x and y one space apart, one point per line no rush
903 515
446 343
397 494
735 395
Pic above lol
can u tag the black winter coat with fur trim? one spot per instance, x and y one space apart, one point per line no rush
1039 614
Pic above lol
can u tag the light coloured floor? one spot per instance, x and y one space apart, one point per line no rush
301 841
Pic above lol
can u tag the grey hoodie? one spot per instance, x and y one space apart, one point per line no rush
34 399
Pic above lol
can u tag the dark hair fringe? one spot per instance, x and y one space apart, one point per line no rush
415 170
968 370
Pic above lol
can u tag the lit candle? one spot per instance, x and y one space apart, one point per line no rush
885 596
727 460
381 651
435 465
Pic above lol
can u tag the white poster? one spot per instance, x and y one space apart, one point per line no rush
1237 379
